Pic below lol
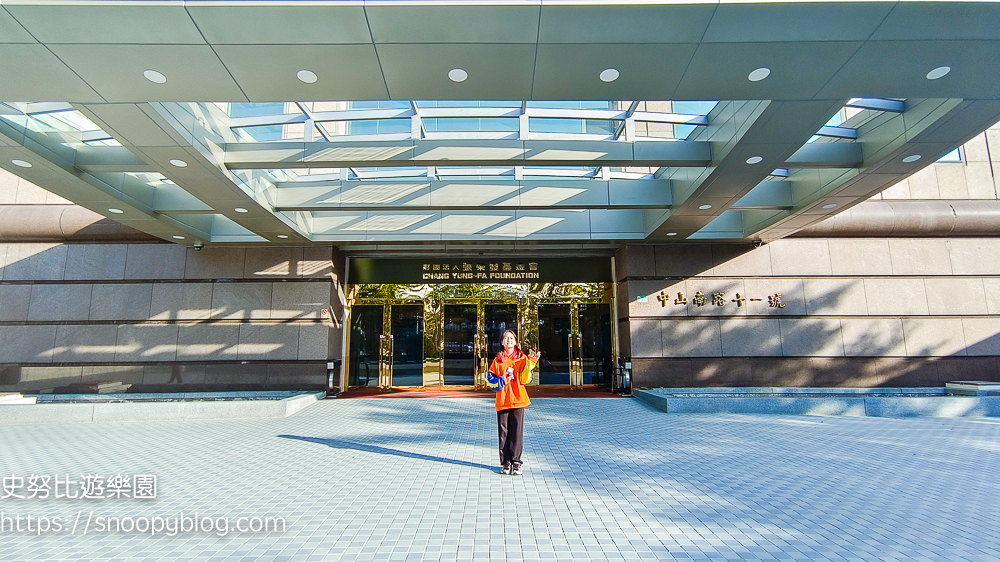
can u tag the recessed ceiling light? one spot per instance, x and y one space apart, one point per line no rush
178 163
307 76
116 211
609 75
178 237
282 236
21 163
939 72
829 205
671 234
754 160
154 76
759 74
911 158
457 75
240 210
705 207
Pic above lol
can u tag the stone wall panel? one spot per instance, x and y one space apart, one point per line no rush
208 342
792 258
146 342
933 337
851 256
811 337
951 296
85 343
60 302
155 261
95 262
745 337
35 262
121 301
14 300
895 297
27 344
181 301
237 301
691 338
275 342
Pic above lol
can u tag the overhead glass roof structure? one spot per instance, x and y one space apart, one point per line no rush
753 119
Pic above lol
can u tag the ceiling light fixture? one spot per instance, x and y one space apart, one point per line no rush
282 236
116 211
829 205
21 163
754 160
939 72
911 158
705 207
457 75
154 76
240 210
759 74
671 234
178 163
178 237
307 76
609 75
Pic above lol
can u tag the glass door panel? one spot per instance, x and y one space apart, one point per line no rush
366 329
498 318
459 344
595 332
554 328
407 344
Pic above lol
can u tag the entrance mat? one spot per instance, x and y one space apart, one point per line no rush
547 391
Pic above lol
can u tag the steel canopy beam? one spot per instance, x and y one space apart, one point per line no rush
279 155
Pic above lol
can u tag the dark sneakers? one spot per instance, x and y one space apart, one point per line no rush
505 469
517 470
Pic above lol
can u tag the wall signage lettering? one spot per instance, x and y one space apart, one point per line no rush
480 270
717 299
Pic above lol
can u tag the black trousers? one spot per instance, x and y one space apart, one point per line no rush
510 424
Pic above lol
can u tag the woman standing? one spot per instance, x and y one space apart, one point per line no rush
508 375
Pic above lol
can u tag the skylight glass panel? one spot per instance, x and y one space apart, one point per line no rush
386 104
571 126
58 122
587 104
256 109
376 126
952 157
469 124
465 103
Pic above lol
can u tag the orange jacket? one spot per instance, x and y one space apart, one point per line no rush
513 393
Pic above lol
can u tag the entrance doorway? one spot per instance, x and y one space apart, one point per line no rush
450 339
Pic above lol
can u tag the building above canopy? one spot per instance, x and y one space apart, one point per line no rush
214 125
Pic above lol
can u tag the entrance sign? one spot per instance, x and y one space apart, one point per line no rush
481 270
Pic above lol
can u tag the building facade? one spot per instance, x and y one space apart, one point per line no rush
828 217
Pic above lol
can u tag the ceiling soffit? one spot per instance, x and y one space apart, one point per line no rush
819 55
238 51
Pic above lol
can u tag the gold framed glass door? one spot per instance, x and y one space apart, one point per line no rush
448 334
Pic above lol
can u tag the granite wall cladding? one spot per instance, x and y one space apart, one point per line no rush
813 312
221 317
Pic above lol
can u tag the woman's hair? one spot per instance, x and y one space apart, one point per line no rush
517 347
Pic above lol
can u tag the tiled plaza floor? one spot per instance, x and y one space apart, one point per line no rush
413 479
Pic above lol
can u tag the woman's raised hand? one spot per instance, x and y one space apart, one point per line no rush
535 354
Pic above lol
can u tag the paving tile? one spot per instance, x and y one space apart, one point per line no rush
605 479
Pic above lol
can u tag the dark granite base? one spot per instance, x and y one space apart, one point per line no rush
189 377
857 372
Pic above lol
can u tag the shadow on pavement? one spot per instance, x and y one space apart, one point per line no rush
341 444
